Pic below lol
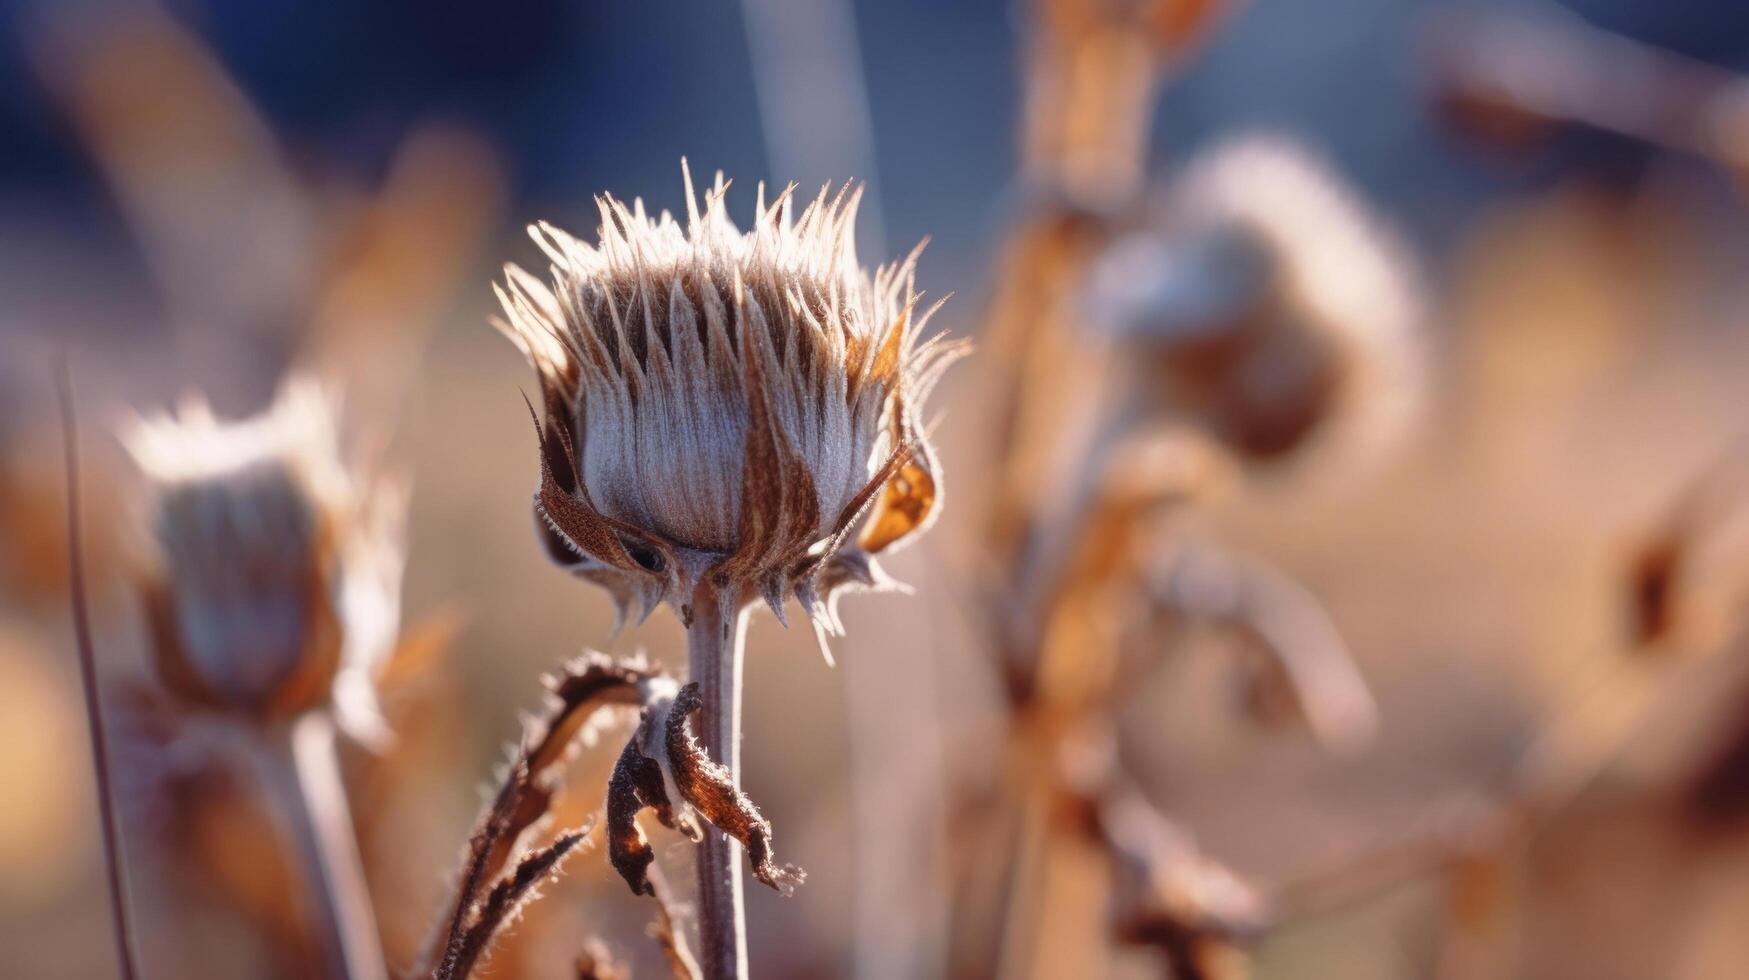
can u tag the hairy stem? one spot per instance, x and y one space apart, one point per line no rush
714 645
303 775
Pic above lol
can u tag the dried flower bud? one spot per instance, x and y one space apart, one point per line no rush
1268 305
276 585
724 404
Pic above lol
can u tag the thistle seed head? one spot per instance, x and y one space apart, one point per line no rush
724 403
1269 305
275 584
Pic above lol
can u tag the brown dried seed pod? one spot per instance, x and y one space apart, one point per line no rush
724 403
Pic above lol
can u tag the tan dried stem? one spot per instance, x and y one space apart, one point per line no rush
1093 67
1092 70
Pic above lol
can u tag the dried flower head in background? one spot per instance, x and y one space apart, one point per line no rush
726 405
276 581
1272 308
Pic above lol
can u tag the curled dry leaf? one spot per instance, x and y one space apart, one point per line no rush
663 768
636 784
709 787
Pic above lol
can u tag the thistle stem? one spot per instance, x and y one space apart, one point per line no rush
714 646
302 774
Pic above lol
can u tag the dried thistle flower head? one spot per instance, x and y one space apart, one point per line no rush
276 582
1270 306
724 408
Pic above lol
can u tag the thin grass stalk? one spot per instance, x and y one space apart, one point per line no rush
127 958
715 647
302 775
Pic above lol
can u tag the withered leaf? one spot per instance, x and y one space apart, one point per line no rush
708 787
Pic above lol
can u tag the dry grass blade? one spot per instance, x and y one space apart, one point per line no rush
506 900
126 958
587 683
480 847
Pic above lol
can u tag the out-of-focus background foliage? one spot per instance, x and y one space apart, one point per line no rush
196 195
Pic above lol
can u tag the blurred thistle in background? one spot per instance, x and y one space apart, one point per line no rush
277 582
273 598
1267 306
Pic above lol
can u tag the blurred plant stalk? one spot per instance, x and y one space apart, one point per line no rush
301 774
1512 77
1092 71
